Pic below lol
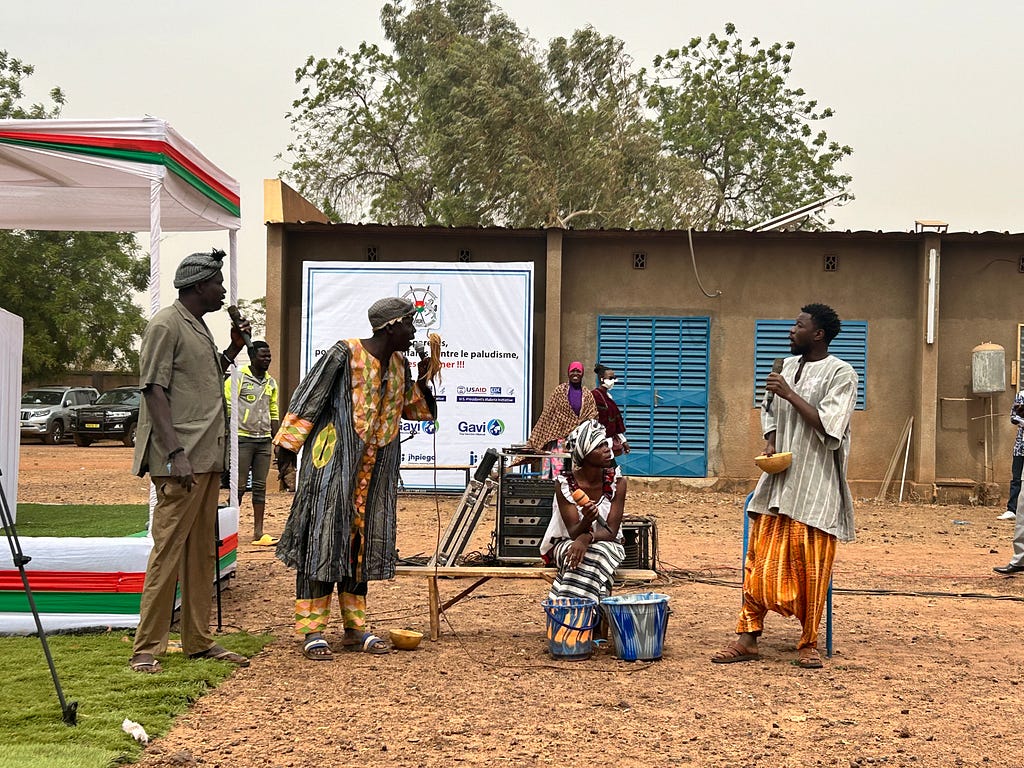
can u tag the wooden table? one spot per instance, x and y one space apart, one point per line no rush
486 573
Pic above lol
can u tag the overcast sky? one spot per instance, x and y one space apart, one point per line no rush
927 92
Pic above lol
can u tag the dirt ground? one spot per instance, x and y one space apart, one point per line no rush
926 670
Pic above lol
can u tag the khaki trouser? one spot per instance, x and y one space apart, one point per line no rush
184 549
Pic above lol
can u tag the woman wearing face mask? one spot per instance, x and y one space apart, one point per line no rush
608 413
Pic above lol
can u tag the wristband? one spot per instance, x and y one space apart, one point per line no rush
175 452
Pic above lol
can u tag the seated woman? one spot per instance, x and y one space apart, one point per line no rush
584 540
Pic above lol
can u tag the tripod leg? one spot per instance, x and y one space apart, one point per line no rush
68 709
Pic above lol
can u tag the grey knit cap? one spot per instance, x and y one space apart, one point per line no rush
198 267
389 310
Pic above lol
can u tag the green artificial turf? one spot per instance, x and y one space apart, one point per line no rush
93 670
81 519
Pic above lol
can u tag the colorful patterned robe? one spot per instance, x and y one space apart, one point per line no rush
348 421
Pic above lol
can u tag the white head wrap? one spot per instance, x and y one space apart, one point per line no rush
584 439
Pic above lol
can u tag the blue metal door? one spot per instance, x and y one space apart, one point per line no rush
662 365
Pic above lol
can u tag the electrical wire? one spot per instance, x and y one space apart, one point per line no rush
693 258
685 575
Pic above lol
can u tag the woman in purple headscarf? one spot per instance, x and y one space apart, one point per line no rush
569 405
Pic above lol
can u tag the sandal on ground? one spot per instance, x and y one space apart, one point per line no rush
266 540
733 653
368 643
221 654
317 649
809 658
145 662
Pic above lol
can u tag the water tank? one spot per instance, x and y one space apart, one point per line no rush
988 369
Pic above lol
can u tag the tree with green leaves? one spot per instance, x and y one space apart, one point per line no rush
469 123
255 311
74 290
728 108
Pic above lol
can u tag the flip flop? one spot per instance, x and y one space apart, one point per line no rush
146 663
370 643
317 649
221 654
733 653
266 540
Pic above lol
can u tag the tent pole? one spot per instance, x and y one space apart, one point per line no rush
235 378
155 188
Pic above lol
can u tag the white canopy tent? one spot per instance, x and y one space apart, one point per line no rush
11 336
121 175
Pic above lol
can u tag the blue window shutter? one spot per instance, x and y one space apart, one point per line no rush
771 340
662 364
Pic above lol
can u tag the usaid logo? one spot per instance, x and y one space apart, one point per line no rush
493 427
471 390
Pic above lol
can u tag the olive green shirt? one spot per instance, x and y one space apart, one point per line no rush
178 353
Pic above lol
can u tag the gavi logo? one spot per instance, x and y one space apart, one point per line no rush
415 427
493 427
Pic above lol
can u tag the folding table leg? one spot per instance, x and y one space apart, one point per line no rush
435 608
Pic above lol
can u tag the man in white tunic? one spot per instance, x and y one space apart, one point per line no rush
799 514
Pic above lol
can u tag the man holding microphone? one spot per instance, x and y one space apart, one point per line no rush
180 443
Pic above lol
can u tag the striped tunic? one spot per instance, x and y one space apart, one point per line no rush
347 414
814 490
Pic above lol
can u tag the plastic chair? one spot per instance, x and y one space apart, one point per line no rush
828 600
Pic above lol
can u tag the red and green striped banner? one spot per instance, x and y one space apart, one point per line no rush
84 592
150 151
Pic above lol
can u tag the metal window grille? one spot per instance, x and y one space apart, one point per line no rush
371 253
831 262
639 260
465 255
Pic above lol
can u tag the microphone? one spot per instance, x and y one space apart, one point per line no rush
236 320
581 498
776 368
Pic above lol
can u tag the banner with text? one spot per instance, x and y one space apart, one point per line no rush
484 315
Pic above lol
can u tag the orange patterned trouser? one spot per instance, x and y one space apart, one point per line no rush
312 613
788 569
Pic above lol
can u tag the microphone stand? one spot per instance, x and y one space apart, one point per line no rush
69 709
